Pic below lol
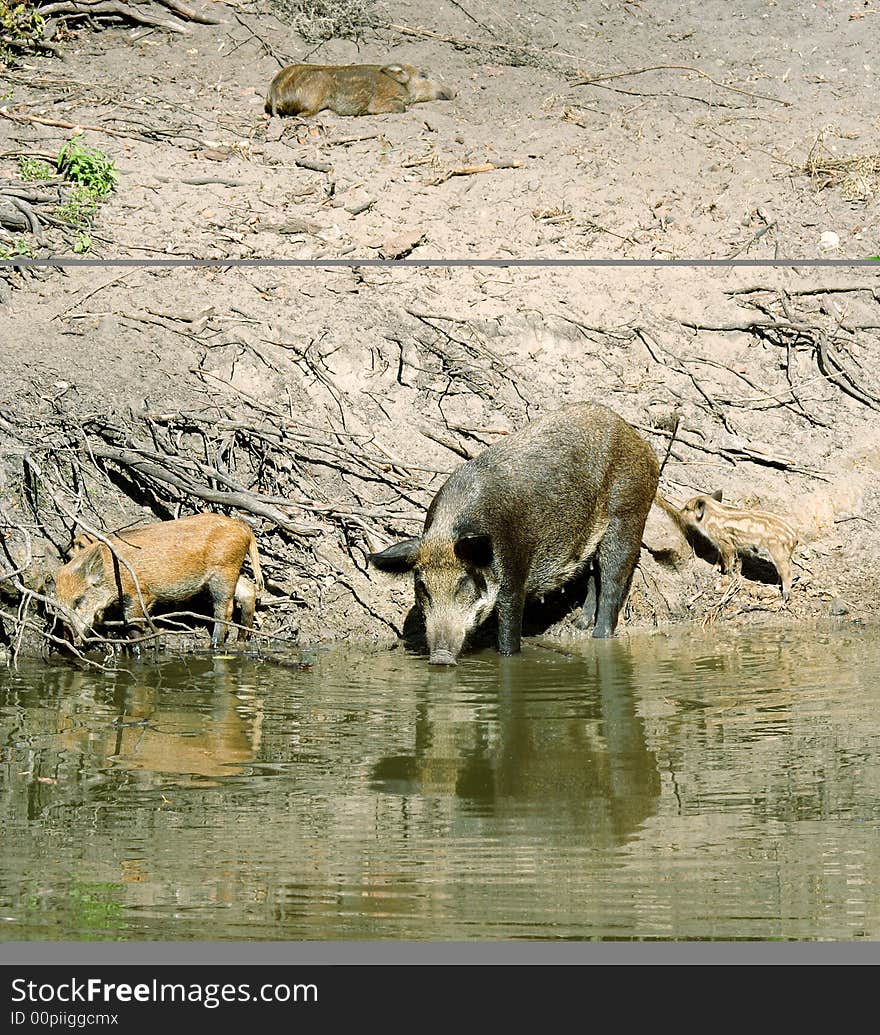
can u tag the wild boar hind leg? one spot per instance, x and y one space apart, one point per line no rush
246 598
615 563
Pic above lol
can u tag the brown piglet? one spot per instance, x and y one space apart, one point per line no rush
166 562
351 89
734 531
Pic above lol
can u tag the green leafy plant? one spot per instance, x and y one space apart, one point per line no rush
21 250
80 208
88 166
34 168
20 27
82 244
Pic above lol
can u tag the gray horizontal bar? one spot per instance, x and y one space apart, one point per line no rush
63 263
431 953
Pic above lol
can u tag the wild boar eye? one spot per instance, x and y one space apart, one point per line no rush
78 603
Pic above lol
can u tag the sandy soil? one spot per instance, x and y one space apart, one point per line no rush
705 159
405 371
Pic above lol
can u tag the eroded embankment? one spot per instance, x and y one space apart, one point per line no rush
326 408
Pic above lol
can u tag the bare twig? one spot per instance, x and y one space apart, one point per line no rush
680 68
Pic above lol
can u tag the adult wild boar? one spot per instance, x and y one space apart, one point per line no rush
172 561
525 516
351 89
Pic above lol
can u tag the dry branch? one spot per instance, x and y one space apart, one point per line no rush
788 331
473 170
62 124
138 12
117 8
681 68
240 500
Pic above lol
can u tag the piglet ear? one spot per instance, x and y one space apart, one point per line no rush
93 565
398 73
699 509
397 559
716 495
475 550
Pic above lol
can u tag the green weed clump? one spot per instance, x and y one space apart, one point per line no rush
79 210
20 250
94 176
34 168
21 28
87 166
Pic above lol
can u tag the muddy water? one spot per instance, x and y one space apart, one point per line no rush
706 785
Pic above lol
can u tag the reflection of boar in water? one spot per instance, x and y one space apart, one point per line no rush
351 89
523 518
172 561
733 531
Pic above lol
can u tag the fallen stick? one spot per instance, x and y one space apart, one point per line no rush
203 181
447 442
240 500
472 170
61 124
734 452
841 289
31 196
182 11
113 7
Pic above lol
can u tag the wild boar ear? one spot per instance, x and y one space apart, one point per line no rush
397 72
93 565
397 559
716 495
475 550
699 509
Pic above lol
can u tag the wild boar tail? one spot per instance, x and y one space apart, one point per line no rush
670 509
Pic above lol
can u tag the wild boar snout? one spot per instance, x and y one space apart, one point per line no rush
442 657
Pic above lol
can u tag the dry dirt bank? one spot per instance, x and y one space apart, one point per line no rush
328 405
701 156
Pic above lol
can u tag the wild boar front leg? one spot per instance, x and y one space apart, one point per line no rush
246 598
509 609
782 560
389 105
730 561
135 620
223 596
